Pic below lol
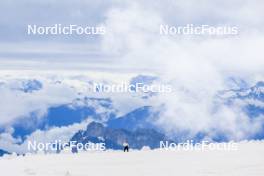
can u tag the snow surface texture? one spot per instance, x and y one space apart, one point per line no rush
246 161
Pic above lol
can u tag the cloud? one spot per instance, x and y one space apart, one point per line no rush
18 104
11 144
196 66
61 88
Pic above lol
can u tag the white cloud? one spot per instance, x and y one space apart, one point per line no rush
197 66
11 144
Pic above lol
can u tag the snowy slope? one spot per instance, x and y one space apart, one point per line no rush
248 160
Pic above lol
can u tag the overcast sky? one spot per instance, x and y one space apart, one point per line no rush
132 33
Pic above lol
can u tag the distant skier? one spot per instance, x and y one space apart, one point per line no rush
126 147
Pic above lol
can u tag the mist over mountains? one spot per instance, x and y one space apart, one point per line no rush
43 107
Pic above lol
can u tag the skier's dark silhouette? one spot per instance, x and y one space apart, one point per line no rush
126 147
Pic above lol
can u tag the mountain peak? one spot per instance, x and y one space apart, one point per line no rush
114 138
3 152
95 129
260 84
